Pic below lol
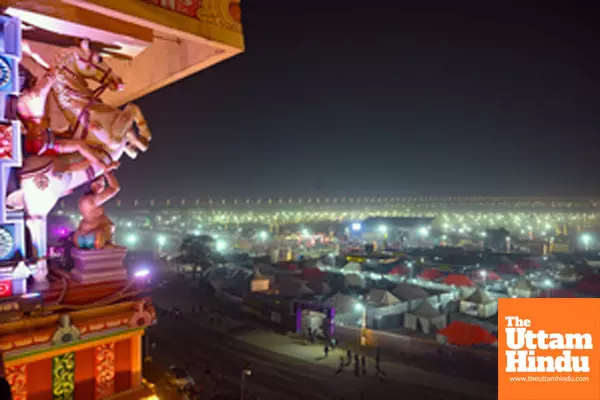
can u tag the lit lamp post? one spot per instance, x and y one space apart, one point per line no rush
161 240
131 239
363 322
246 372
586 239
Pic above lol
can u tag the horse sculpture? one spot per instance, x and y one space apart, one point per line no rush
91 144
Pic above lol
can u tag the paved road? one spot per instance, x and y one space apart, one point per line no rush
185 342
188 341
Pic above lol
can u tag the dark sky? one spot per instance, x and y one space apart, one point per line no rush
421 98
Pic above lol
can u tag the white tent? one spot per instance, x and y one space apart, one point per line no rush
354 280
479 304
523 288
381 298
480 296
425 318
406 292
465 291
351 267
341 303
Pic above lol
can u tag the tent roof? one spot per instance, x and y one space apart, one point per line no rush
341 303
381 297
458 280
318 286
293 287
509 269
405 291
464 334
313 273
351 266
480 296
430 274
524 284
354 280
483 274
426 310
399 270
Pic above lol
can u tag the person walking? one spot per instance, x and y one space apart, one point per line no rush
341 366
363 363
348 356
326 350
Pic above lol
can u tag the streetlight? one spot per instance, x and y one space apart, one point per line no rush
356 226
131 239
423 231
586 239
246 372
263 235
383 229
161 240
484 275
220 245
363 322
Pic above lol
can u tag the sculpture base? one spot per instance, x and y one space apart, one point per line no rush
100 265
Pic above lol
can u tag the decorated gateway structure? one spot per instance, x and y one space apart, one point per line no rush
70 71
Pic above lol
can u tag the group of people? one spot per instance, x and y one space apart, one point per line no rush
360 363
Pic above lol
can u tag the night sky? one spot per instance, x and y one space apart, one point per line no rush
344 99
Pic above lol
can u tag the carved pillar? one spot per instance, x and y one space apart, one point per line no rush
63 377
136 361
17 378
105 370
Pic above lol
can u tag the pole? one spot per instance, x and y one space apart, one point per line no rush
363 328
242 386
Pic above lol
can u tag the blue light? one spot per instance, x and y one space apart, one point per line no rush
356 226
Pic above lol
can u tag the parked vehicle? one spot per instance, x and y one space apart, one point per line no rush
179 378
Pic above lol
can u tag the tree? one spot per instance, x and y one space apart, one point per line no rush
198 251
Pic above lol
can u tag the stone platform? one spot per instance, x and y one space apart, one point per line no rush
100 265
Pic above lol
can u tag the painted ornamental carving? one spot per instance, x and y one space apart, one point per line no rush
105 370
63 377
67 332
83 147
17 378
6 144
226 14
142 316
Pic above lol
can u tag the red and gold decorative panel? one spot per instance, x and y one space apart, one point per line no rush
17 378
123 365
85 373
6 143
105 370
185 7
39 379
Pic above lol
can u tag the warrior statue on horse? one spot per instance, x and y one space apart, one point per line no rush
84 148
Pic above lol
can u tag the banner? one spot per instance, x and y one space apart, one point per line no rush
549 349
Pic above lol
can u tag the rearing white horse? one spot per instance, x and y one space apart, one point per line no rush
44 179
